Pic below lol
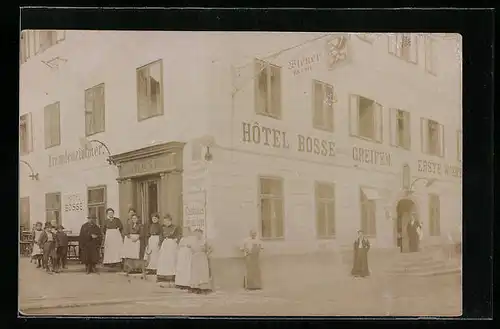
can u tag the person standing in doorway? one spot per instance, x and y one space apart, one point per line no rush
252 246
360 264
153 244
134 233
414 229
167 259
112 230
200 281
90 244
183 265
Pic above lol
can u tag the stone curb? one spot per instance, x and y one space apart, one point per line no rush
26 309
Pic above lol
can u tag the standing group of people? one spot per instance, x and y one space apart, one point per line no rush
178 258
50 246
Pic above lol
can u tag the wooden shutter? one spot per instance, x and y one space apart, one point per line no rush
399 44
441 140
329 99
424 135
55 124
318 100
89 112
100 108
275 89
393 126
407 129
46 124
354 115
413 48
378 122
29 130
392 43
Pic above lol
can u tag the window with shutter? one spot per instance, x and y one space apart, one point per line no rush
96 202
267 89
52 124
271 204
150 90
432 137
325 209
430 56
95 110
53 207
323 99
404 46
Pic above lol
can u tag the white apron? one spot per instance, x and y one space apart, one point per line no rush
36 248
167 260
131 249
152 252
183 268
113 245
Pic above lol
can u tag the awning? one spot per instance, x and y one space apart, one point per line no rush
370 193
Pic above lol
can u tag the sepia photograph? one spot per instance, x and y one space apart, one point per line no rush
178 173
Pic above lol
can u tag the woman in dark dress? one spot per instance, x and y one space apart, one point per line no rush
413 229
90 244
360 264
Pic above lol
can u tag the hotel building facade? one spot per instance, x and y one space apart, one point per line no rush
304 137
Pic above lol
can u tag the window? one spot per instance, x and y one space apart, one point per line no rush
150 90
94 110
46 39
25 134
52 124
368 211
459 145
404 46
434 215
323 106
271 206
431 58
432 134
96 201
268 89
325 209
53 207
24 212
365 118
24 47
400 128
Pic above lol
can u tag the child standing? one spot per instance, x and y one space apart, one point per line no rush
37 252
47 242
62 247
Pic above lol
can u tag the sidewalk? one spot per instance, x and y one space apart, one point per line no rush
38 289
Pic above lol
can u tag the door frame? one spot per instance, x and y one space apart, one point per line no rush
404 208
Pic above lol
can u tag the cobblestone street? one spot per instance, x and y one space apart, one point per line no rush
115 294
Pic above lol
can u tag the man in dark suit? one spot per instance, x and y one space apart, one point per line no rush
90 244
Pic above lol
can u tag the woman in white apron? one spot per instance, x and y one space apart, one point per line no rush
183 266
37 253
153 245
132 261
167 260
200 281
112 230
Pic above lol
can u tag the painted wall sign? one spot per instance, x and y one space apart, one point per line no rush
74 208
304 64
73 202
195 215
142 166
365 155
275 138
436 168
77 155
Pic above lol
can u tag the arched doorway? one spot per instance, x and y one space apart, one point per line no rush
404 209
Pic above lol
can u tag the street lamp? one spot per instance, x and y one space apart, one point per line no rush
85 143
32 175
428 182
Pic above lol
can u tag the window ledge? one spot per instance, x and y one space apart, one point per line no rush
270 115
366 139
52 146
325 129
140 119
87 134
401 147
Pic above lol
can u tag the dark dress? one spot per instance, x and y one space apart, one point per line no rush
134 264
62 248
360 264
89 246
47 242
413 237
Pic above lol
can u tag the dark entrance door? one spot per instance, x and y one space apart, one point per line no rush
404 209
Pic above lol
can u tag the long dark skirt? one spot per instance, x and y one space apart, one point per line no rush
414 243
252 279
360 264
